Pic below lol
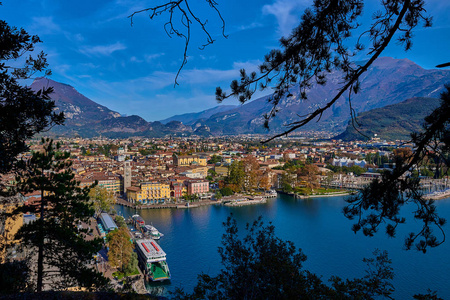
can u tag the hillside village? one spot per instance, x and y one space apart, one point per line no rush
161 171
190 172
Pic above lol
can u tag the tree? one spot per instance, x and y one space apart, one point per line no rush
132 265
23 112
252 172
381 201
56 240
120 221
181 10
402 153
218 195
226 191
120 248
236 176
310 175
287 181
259 265
101 199
264 180
318 46
14 277
215 159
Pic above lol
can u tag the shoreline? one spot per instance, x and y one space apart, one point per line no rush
333 194
438 196
323 196
235 200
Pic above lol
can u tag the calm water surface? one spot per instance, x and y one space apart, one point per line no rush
317 226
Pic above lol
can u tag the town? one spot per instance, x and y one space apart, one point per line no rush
153 172
184 173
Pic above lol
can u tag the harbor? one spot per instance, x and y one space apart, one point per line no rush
234 200
191 238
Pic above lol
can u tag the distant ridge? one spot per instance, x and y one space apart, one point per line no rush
392 122
191 118
78 109
87 118
388 81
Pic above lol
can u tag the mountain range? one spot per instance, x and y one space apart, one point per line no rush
392 122
86 118
191 118
388 81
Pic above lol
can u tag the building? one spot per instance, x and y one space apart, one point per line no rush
347 162
134 194
221 170
197 187
176 190
126 175
109 181
107 222
151 192
188 160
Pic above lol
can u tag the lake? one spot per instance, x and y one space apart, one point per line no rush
317 226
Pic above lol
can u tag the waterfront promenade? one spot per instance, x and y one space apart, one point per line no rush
234 200
180 205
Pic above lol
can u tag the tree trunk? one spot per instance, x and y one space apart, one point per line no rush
40 266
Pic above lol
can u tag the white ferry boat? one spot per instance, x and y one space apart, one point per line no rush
152 232
152 260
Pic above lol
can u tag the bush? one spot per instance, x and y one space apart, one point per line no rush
226 191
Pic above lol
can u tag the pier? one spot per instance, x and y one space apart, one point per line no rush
180 205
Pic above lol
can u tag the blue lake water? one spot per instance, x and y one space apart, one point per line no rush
317 226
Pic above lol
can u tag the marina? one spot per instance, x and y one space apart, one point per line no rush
192 237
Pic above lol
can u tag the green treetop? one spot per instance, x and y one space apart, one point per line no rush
60 255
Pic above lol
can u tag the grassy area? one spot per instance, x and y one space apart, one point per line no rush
121 275
318 191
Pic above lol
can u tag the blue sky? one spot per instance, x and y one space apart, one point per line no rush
131 69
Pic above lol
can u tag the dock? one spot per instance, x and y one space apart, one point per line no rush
181 205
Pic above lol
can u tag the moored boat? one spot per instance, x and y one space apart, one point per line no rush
152 260
152 232
138 220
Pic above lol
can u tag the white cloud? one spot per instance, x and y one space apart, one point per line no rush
287 13
78 37
102 49
45 25
135 59
212 57
250 26
150 57
249 66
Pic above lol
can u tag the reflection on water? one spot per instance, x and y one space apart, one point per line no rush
192 236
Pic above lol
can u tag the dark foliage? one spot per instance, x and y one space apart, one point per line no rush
431 295
56 244
23 112
14 277
226 191
380 203
317 47
259 265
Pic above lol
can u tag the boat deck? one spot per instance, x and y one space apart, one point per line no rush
158 272
151 250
